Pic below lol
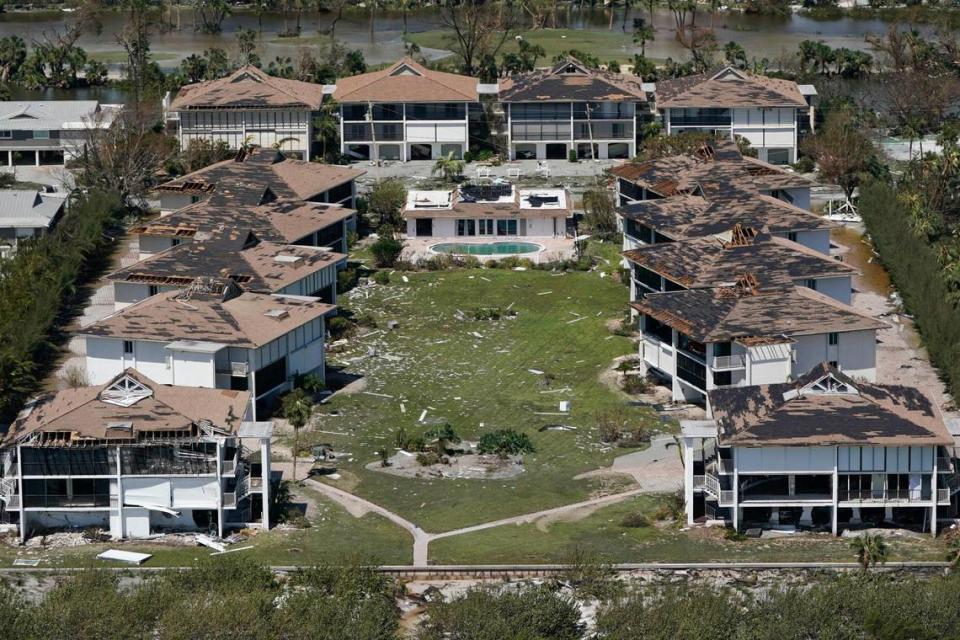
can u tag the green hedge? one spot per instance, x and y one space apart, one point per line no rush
41 288
916 273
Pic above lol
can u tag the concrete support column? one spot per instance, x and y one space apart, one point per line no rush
265 475
806 518
123 525
934 491
736 491
23 512
10 158
37 158
220 488
888 514
835 485
855 517
688 477
791 485
775 516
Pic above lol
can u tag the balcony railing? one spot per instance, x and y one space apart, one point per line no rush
76 500
726 363
943 494
691 371
698 482
723 465
885 495
726 498
944 464
229 500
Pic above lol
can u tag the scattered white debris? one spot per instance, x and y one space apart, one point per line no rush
26 562
476 335
403 408
125 556
379 395
405 278
535 372
565 406
423 415
544 293
220 553
487 279
576 319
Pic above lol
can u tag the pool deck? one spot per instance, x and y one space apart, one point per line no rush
418 249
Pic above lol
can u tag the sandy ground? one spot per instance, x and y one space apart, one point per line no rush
467 466
657 469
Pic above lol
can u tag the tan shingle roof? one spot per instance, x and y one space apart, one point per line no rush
711 261
243 179
232 254
727 88
852 413
586 84
248 320
249 88
720 161
86 416
727 313
406 81
283 221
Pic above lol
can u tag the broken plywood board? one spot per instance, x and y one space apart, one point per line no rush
131 557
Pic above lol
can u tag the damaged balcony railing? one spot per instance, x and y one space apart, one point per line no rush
725 363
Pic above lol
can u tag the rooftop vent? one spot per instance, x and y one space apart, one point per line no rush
277 314
287 259
120 426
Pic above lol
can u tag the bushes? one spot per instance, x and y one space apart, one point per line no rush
505 442
386 250
385 201
39 285
381 278
913 267
347 279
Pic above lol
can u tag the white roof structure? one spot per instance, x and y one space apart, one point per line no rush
47 114
28 209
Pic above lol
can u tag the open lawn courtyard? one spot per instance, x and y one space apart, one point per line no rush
441 365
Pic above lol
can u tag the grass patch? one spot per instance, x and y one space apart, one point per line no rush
606 45
603 535
332 537
434 362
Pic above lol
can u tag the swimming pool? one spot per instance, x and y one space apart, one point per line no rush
487 248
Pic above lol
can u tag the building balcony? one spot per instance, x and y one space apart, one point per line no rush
887 496
66 502
729 363
710 484
11 502
723 466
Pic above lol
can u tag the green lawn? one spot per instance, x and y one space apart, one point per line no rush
434 362
606 45
332 537
603 536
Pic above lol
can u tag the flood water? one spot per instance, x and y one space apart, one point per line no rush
873 277
761 36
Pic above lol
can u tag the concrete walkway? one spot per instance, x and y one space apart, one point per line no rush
421 539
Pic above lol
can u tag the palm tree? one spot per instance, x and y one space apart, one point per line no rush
325 126
297 408
444 435
870 549
448 166
642 34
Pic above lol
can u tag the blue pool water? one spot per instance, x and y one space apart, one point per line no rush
487 248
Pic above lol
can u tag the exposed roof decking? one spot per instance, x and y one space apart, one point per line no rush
585 85
248 320
825 407
726 314
249 88
281 221
86 416
712 261
726 87
719 162
452 204
691 216
232 255
406 81
242 181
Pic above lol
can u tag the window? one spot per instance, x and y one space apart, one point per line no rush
466 228
778 156
41 135
485 227
792 236
6 135
128 347
834 364
833 338
153 290
506 227
175 242
810 283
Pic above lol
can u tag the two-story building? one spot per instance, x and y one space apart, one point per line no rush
717 161
26 214
750 333
715 261
48 132
136 458
311 224
827 450
719 207
406 112
236 255
488 213
259 176
571 108
769 112
247 107
212 335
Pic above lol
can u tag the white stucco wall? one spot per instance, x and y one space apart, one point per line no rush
855 352
785 459
768 364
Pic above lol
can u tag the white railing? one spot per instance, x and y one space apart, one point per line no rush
712 485
698 482
943 494
8 487
726 498
723 363
229 500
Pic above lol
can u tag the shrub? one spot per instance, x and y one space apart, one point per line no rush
634 384
386 250
510 262
491 264
804 164
428 458
572 155
611 425
438 262
470 262
504 442
340 327
311 383
75 376
347 279
486 313
635 521
381 277
366 319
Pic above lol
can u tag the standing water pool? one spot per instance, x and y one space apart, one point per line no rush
486 248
